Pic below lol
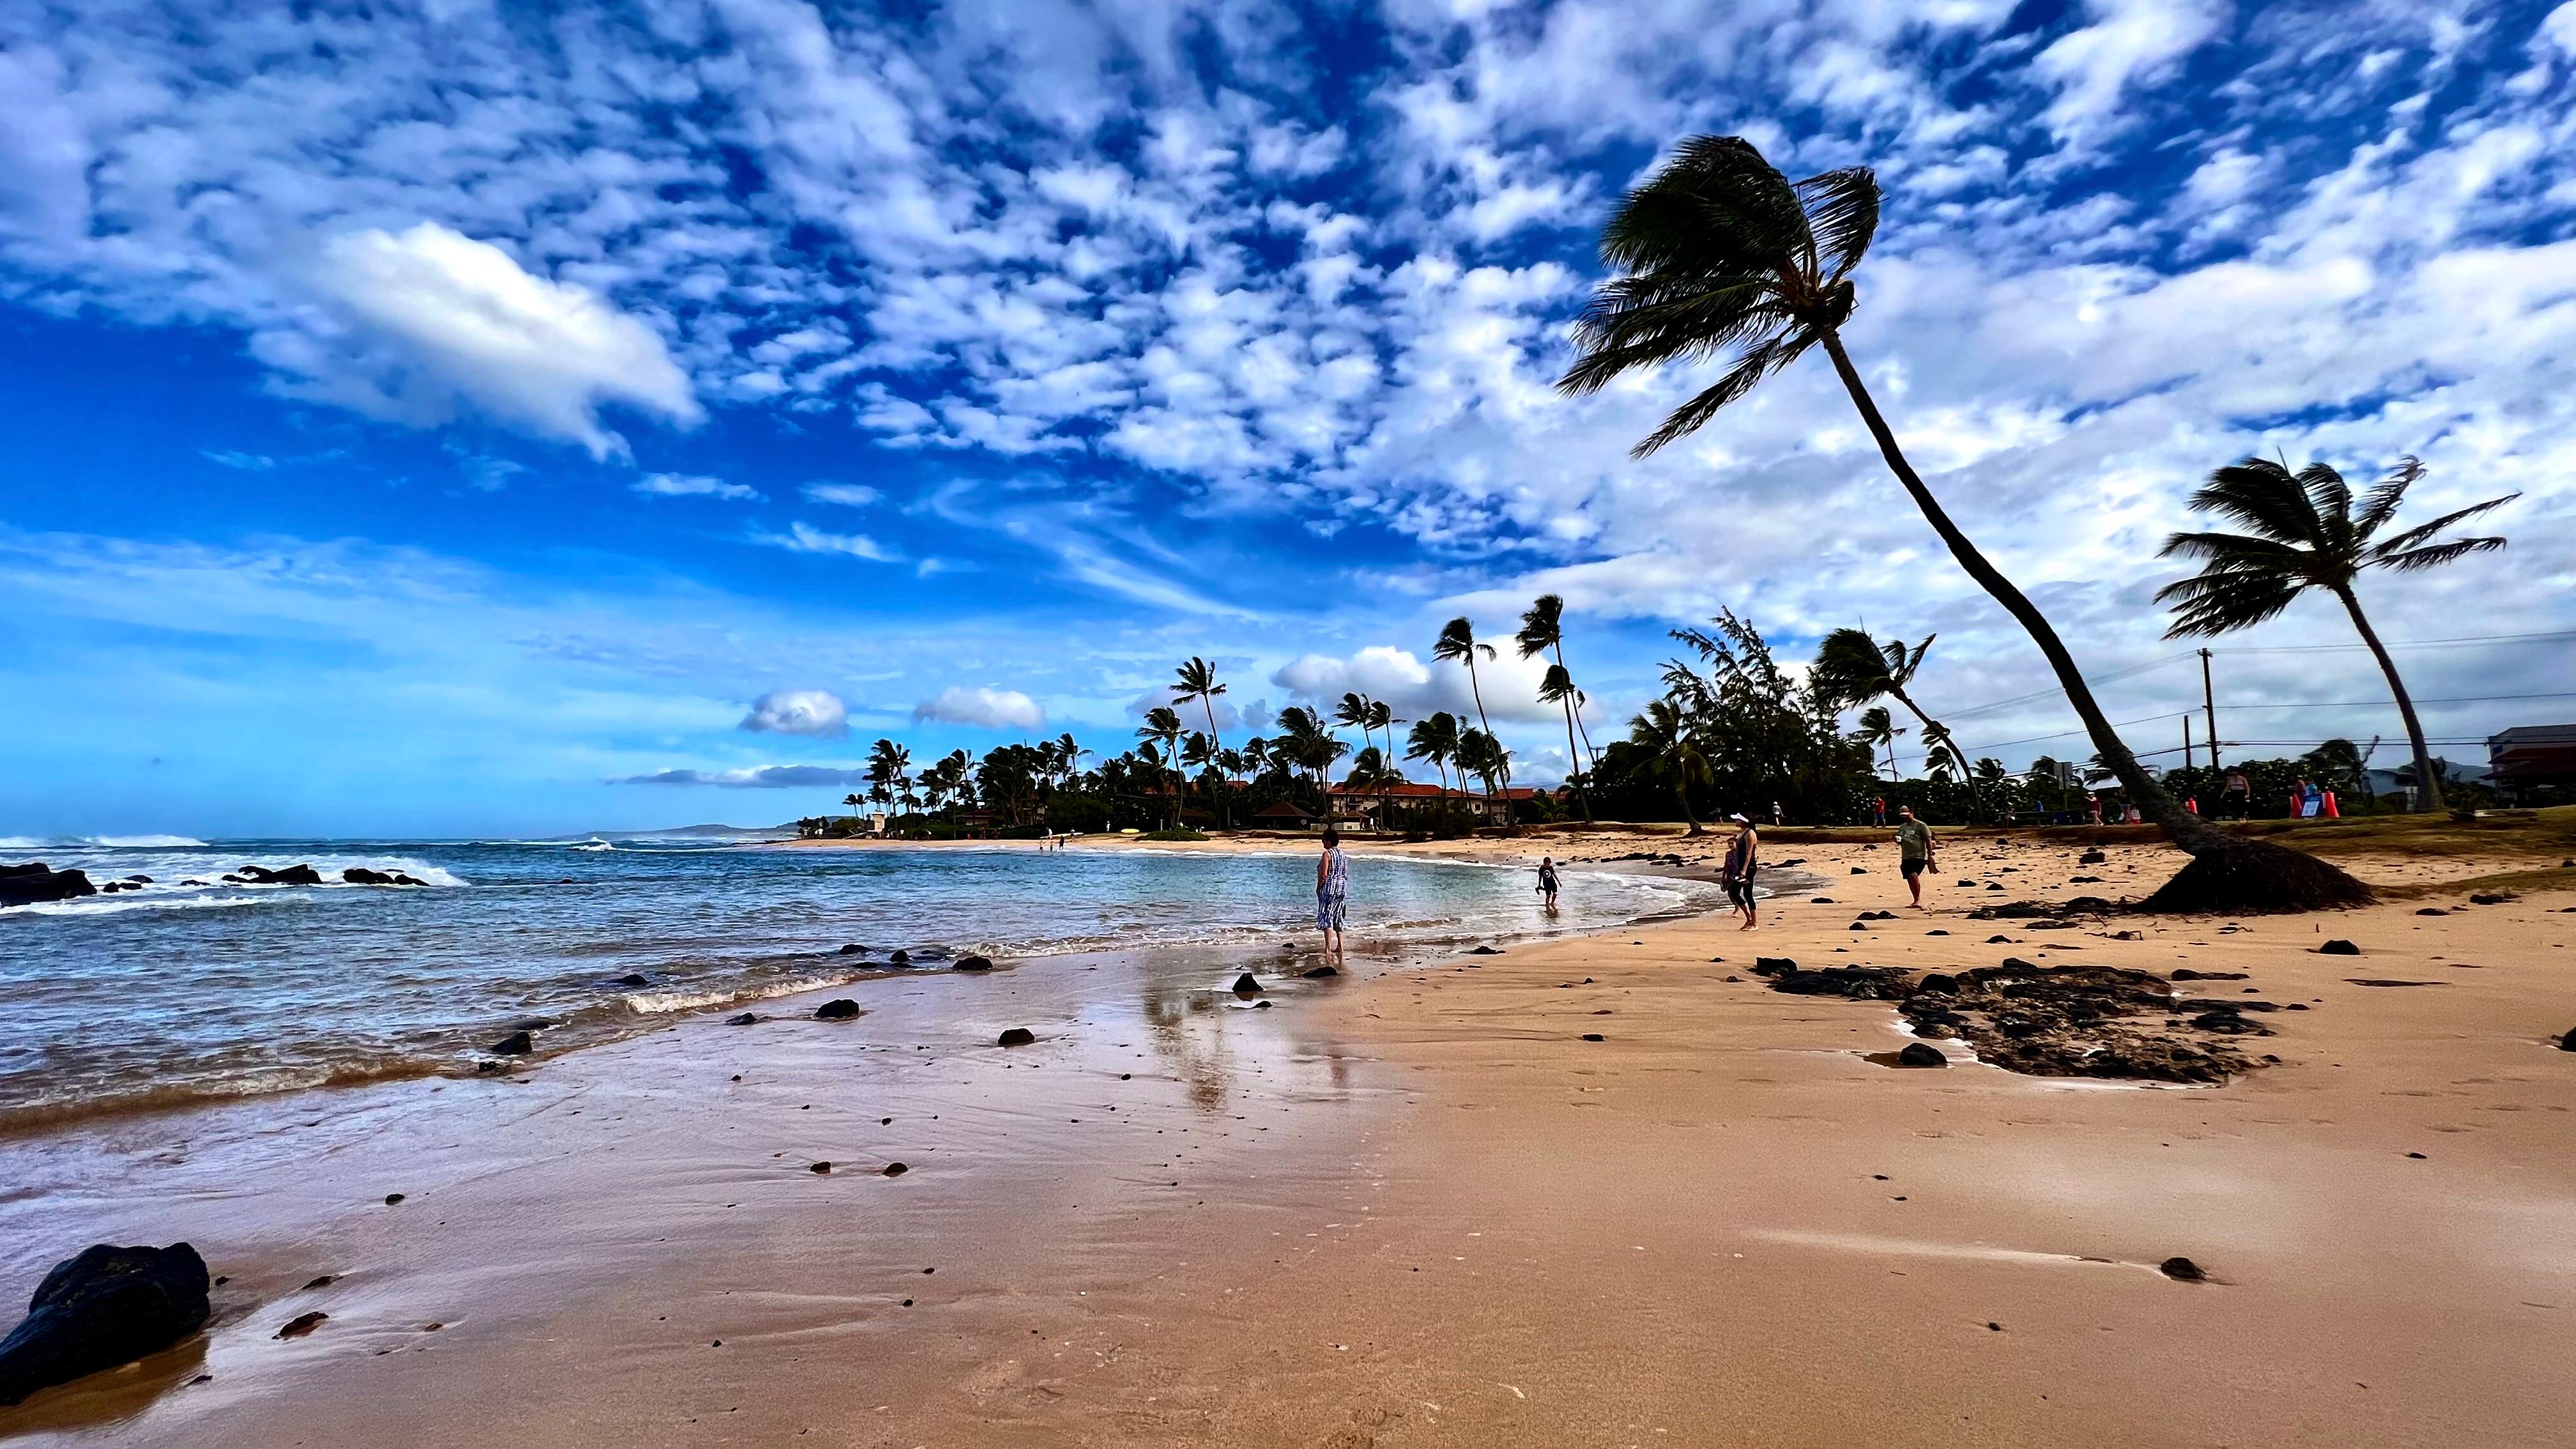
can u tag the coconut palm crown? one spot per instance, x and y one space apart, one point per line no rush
2303 531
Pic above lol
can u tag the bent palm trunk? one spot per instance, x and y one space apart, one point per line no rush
2428 786
2227 872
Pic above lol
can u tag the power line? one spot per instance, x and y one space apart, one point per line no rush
2406 643
2391 704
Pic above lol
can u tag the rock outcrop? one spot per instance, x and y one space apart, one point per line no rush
104 1307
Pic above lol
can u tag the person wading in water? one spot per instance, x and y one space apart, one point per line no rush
1332 894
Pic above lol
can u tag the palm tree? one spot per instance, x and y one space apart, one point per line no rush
1435 739
1458 641
1719 253
1483 755
1878 730
854 802
1198 681
1669 740
1162 726
1856 669
1543 630
2301 533
1308 743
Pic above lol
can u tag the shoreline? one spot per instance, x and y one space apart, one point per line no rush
1437 1214
828 972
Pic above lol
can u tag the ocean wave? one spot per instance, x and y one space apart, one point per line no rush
594 845
665 1003
91 1103
106 905
100 842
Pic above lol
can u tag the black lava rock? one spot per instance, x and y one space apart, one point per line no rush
973 963
516 1044
838 1009
1921 1054
746 1019
1318 973
1592 1036
900 957
104 1307
25 885
2567 1043
854 949
821 1169
1244 985
303 1323
632 978
2338 948
2181 1270
1018 1036
1856 870
1484 951
895 1169
1938 981
2432 911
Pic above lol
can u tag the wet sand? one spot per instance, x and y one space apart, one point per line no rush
1414 1209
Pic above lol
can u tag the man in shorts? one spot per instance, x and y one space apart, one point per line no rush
1914 849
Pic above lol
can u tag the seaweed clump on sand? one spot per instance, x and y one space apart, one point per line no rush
2052 1021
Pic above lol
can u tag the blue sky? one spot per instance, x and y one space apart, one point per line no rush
436 419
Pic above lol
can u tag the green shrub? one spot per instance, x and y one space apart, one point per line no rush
1171 835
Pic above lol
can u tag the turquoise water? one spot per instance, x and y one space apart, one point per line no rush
190 988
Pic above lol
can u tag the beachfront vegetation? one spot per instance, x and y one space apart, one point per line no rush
2302 533
1720 255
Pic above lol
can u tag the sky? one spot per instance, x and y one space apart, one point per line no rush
449 419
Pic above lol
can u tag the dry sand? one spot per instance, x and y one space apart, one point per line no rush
1417 1209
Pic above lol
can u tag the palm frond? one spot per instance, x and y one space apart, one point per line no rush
2380 503
1842 217
2237 551
2329 501
2423 532
2438 554
2219 603
2262 495
1754 364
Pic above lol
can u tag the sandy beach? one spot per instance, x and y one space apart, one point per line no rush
1415 1205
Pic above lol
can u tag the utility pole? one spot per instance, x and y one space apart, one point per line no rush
2186 739
2209 702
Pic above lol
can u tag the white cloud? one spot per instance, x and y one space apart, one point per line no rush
685 485
802 537
817 712
1509 683
989 708
848 495
2128 43
245 462
420 323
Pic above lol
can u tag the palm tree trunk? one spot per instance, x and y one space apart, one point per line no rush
1582 793
1478 690
2428 786
2244 874
1681 792
1215 744
1931 726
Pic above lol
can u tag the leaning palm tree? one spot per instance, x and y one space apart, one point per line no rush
2301 533
1484 756
1198 681
1856 669
1718 253
1458 642
1878 730
1669 740
1543 630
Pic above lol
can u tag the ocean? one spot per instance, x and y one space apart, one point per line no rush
192 989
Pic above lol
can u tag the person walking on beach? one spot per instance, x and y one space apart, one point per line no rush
1914 847
1775 812
1547 882
1878 811
2093 806
1742 859
1332 893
